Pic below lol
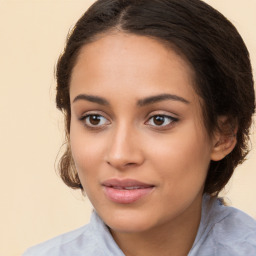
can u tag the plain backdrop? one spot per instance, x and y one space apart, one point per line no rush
34 204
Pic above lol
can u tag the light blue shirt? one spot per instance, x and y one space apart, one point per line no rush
223 231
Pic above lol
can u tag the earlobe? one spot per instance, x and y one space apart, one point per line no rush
223 146
224 140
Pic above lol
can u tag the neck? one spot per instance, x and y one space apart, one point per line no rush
174 238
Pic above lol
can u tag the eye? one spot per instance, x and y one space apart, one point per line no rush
94 120
161 120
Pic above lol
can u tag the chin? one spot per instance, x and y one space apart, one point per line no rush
129 226
128 220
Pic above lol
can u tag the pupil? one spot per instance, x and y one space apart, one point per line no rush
158 120
94 120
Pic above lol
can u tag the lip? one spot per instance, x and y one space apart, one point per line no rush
126 191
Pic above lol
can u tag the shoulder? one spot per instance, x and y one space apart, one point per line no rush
236 231
225 231
89 240
62 243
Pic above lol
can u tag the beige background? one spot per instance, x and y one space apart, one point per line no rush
34 204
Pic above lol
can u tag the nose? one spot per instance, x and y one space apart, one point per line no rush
124 149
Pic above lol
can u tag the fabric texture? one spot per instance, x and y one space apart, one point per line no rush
223 231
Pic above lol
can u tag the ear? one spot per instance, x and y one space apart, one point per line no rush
224 139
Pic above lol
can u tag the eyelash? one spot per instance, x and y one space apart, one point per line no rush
162 117
171 121
91 126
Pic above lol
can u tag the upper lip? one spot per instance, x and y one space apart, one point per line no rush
125 183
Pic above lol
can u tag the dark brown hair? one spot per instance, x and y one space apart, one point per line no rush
209 43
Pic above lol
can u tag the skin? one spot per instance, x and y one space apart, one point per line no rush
127 142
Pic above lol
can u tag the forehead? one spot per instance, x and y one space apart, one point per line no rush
120 61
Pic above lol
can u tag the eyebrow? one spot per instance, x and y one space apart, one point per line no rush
141 102
91 98
161 97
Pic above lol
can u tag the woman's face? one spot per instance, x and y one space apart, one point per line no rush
137 134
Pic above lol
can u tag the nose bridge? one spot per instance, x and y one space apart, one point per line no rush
124 148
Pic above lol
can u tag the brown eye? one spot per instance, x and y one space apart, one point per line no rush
158 120
96 121
161 120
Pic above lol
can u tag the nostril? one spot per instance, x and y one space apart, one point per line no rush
122 164
128 164
115 163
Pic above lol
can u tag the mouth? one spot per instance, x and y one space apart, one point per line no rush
126 191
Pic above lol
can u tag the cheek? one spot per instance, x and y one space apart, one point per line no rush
86 152
184 154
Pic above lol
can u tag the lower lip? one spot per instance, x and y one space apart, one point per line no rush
126 196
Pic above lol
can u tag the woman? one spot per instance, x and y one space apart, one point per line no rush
158 100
